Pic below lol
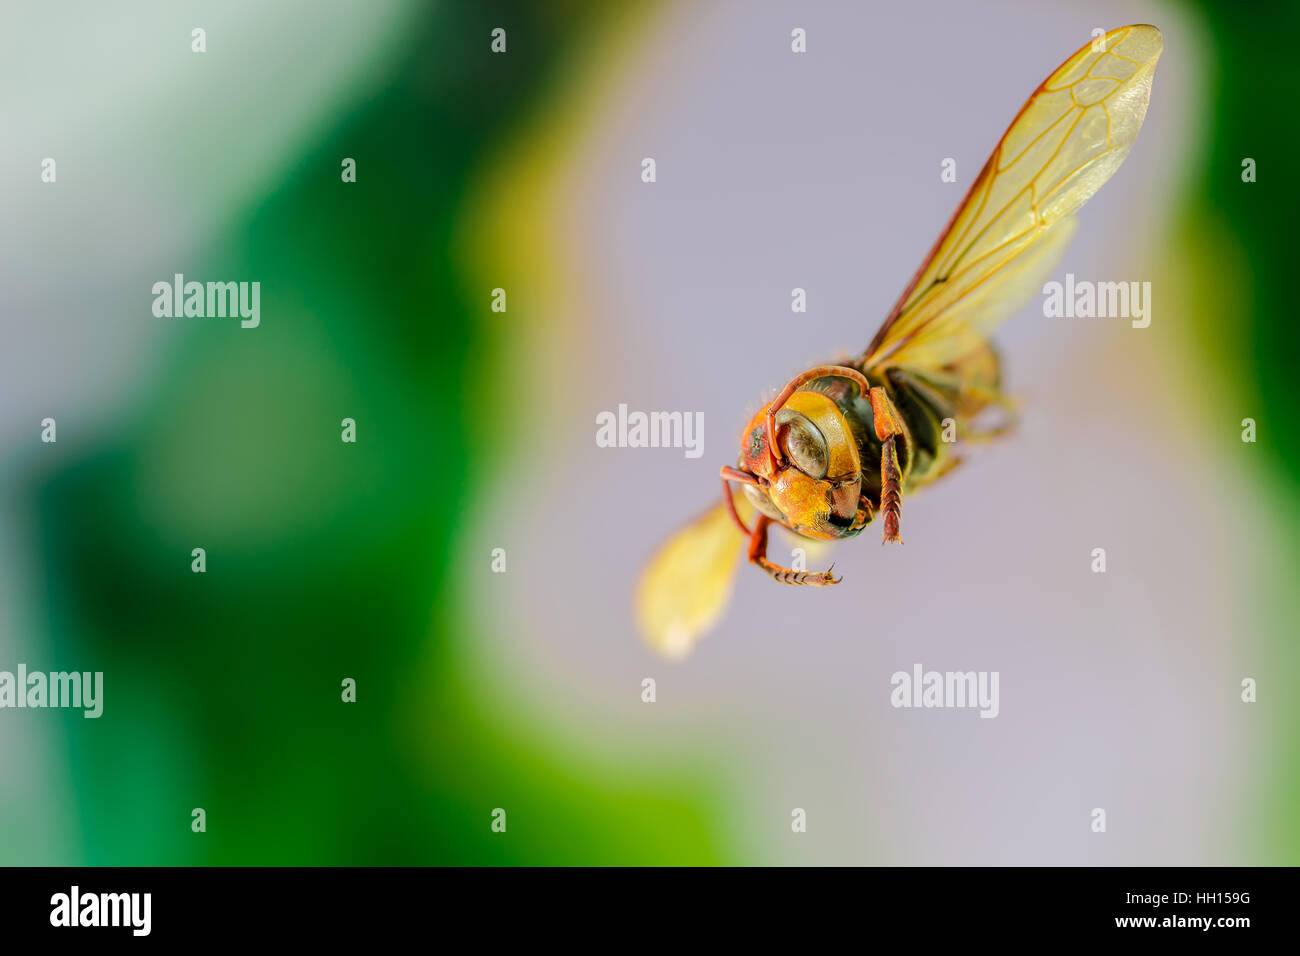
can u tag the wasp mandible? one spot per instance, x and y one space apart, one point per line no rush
842 445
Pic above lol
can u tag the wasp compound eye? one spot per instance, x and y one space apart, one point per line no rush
803 443
759 499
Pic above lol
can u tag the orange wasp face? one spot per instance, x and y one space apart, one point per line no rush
813 481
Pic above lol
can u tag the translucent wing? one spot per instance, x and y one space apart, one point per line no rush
687 583
1010 230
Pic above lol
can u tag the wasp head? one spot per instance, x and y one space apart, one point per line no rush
812 480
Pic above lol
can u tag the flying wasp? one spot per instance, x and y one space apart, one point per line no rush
842 445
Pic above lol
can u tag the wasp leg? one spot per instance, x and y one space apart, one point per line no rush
758 556
1010 409
889 429
866 512
944 469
